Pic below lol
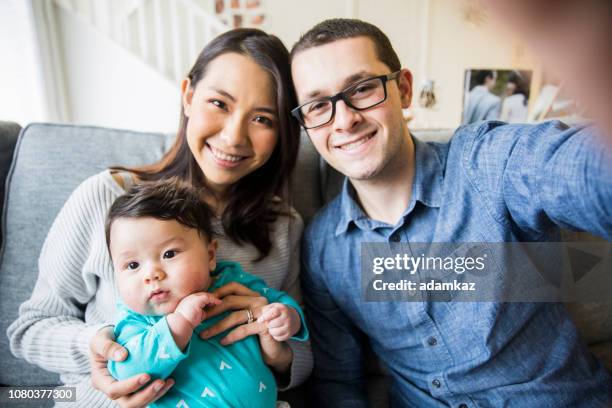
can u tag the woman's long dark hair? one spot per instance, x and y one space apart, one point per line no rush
252 206
519 83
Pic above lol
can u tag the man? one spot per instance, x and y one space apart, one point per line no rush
491 183
481 103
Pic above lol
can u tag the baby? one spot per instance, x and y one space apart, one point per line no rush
159 236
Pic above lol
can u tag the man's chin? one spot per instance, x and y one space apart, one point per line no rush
359 169
362 174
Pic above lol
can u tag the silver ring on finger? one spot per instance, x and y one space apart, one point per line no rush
250 317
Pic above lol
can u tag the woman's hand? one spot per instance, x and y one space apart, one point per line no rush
126 393
239 298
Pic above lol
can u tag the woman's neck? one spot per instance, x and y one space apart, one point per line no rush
217 198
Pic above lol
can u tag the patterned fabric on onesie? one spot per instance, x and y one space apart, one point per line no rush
207 374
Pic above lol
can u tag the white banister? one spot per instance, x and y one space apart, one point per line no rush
177 47
143 36
160 55
191 37
165 34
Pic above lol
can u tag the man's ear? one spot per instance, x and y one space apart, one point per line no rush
405 87
186 96
212 254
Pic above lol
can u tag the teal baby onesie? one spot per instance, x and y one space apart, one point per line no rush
207 374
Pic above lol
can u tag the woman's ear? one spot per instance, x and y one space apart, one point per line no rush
187 96
405 87
212 254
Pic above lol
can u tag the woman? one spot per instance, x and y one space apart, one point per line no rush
235 140
514 106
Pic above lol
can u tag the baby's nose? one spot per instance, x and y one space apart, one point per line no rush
155 275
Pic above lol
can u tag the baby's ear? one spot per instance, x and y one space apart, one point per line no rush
212 254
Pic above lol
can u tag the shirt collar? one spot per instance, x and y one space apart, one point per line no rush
427 186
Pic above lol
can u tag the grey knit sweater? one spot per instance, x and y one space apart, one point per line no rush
75 295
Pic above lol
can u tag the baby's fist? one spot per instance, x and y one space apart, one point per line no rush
191 307
282 321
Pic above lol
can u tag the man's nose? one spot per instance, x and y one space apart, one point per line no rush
345 117
154 274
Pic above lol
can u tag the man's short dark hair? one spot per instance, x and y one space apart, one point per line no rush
169 199
482 75
342 28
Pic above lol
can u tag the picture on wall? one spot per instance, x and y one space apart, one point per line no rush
493 94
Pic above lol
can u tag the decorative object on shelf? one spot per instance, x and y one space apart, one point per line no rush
427 96
241 13
473 12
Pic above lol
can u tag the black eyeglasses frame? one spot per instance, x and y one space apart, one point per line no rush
296 112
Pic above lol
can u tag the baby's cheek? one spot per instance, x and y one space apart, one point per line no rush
132 297
200 282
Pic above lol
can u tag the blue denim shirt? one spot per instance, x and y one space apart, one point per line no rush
491 183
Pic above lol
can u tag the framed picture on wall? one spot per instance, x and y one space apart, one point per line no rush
494 94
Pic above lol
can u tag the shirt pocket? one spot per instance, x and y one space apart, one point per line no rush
460 272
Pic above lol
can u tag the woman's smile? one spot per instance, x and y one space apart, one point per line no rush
225 159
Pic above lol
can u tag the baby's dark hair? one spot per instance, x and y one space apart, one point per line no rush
168 199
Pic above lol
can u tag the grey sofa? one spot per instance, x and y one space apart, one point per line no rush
9 132
51 160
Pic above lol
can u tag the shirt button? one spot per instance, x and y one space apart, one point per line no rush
432 342
436 383
396 238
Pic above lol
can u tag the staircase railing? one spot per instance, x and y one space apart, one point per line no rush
166 34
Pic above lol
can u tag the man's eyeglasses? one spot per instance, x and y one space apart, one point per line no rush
359 96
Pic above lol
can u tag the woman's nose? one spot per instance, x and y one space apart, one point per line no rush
235 131
155 274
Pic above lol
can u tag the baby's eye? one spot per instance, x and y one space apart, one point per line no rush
169 254
133 265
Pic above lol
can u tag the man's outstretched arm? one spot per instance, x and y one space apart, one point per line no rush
544 176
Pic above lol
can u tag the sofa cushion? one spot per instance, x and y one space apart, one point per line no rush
50 162
307 198
9 132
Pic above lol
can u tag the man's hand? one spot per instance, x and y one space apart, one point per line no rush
282 321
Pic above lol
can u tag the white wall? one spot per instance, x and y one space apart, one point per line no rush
22 97
288 19
456 45
108 86
431 37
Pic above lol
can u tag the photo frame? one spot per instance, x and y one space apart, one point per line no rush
496 94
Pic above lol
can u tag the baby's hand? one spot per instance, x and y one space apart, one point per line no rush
191 307
281 320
